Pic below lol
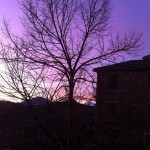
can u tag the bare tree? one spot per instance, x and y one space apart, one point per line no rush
19 81
68 37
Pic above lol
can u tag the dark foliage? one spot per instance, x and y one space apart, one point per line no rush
19 130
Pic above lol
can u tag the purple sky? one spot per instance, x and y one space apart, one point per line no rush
127 14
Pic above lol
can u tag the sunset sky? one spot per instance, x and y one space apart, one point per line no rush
129 14
126 15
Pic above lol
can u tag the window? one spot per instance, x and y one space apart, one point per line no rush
113 81
113 108
148 111
148 78
146 139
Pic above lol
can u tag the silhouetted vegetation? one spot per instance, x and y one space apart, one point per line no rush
19 130
54 56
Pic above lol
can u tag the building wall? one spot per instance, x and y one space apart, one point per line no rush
132 97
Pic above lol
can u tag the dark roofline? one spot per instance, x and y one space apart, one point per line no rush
132 65
121 69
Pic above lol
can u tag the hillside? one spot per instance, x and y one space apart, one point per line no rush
20 130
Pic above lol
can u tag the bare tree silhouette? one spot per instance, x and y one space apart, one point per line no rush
66 38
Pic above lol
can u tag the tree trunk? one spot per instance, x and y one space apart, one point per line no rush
70 114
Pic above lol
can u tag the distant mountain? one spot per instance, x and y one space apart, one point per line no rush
90 103
5 103
36 101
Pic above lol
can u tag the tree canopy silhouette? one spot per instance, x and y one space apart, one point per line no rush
67 37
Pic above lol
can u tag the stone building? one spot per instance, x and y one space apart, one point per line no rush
123 102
